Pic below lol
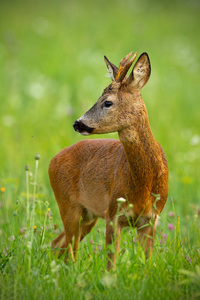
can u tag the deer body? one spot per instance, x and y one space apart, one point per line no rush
87 178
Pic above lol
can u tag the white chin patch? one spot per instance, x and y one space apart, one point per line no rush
84 133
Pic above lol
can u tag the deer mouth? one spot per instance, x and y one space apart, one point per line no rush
81 128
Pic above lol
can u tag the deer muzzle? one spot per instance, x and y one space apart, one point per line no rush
81 128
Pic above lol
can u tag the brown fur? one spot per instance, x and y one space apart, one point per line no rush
87 178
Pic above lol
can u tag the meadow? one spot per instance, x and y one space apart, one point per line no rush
51 71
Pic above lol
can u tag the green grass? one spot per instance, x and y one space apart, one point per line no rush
52 71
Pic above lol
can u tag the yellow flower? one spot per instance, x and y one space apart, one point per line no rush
35 227
3 189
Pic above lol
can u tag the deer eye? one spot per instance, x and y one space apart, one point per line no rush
107 104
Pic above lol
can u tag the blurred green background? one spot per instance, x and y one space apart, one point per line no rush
52 70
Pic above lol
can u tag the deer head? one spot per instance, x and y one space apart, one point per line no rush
120 105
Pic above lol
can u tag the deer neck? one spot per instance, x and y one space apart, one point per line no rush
141 149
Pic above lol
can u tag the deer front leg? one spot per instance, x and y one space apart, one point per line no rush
109 241
113 231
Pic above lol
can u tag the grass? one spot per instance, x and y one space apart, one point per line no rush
52 71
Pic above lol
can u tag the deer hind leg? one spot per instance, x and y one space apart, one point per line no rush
86 228
78 222
71 218
85 223
59 243
63 243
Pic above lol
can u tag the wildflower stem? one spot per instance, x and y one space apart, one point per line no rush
34 204
34 194
44 228
177 232
27 194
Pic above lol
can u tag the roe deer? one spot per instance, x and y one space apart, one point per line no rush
87 178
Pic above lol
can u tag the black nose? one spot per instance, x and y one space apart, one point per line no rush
76 126
81 127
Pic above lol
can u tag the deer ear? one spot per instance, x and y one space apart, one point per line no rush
140 73
112 69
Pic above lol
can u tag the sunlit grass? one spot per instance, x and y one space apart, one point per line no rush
25 251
